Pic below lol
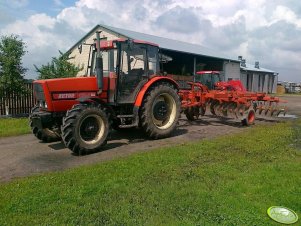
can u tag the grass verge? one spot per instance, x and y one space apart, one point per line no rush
226 181
13 126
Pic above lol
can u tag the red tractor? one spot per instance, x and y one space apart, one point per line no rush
126 92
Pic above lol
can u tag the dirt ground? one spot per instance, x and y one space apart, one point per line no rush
25 155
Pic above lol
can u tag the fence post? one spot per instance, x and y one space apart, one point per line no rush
6 110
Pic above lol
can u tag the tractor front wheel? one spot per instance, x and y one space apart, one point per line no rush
85 128
160 111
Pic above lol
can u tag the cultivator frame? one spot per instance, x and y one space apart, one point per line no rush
234 102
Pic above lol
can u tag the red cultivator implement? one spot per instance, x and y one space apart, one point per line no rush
229 99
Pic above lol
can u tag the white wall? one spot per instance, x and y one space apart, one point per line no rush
232 70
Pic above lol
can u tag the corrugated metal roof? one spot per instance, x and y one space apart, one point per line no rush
251 67
164 43
170 44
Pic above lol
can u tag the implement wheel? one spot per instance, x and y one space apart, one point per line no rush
160 111
46 134
192 113
250 118
85 128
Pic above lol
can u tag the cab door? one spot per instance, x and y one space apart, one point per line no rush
132 73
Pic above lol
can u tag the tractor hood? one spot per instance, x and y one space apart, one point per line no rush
61 94
70 84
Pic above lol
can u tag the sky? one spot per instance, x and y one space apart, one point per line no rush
262 30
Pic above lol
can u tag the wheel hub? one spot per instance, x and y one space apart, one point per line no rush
89 129
160 110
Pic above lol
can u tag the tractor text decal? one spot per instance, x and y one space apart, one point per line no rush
72 96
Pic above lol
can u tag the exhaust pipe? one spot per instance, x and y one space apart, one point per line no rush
99 64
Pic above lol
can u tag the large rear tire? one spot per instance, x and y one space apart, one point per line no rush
85 128
46 135
160 111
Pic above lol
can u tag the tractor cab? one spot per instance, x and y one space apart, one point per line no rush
208 78
126 66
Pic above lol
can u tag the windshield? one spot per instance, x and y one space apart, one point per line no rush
109 58
153 62
132 58
139 57
208 79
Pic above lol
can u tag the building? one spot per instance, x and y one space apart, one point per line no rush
290 87
256 78
187 58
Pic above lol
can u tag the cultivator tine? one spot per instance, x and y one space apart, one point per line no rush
212 108
230 108
266 111
233 109
259 108
218 109
281 110
273 110
255 105
225 109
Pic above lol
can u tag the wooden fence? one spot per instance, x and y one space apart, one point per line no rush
16 104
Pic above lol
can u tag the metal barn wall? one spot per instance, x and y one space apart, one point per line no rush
255 82
266 83
271 83
231 70
274 90
243 79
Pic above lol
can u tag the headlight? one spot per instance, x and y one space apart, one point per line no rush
43 104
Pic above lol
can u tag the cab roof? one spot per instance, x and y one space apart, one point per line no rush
207 72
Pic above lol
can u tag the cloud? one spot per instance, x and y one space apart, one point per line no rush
283 13
262 30
180 20
227 37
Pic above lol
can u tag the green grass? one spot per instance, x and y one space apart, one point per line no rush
13 126
231 180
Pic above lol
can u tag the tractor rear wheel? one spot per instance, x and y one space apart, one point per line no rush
85 128
160 111
46 134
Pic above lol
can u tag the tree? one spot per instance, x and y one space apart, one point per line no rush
12 49
58 68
